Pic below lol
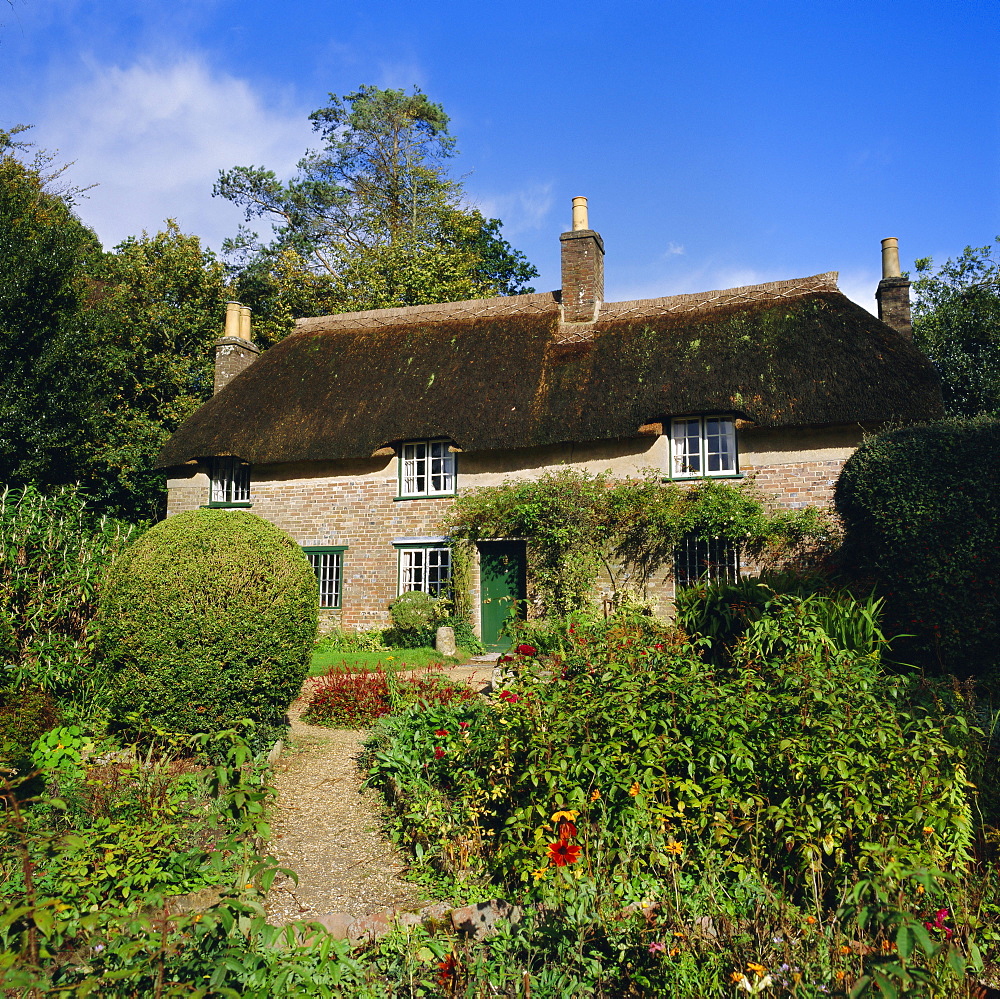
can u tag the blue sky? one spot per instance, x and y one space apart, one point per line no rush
719 143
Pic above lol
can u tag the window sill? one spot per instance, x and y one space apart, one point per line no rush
424 496
700 478
222 505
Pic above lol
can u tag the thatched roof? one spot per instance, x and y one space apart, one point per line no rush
505 372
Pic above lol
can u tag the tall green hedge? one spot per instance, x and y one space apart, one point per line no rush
921 508
210 617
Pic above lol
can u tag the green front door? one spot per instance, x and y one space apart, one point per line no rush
502 589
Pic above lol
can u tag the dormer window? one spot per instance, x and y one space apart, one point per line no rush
230 482
703 446
426 468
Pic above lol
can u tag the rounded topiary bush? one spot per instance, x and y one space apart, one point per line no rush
921 509
208 618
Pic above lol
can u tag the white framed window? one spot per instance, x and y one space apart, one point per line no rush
706 560
230 481
426 568
328 564
426 468
702 445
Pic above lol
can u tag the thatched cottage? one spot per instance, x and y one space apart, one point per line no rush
355 432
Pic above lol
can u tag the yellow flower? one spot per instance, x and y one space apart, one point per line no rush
920 889
928 830
674 848
540 873
758 969
595 794
736 976
634 789
569 816
674 951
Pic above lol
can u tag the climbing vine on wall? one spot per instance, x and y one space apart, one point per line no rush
575 524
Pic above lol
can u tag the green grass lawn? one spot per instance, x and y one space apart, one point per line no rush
324 658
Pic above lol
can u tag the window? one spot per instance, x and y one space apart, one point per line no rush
426 468
328 564
710 560
702 445
230 481
426 568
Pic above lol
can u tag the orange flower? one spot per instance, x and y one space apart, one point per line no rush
810 920
843 949
634 789
841 975
563 853
595 795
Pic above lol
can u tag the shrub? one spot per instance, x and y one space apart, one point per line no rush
25 714
356 699
763 771
724 614
210 617
53 551
922 515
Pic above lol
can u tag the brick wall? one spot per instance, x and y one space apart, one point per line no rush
799 484
357 507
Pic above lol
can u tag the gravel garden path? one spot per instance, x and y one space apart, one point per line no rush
327 830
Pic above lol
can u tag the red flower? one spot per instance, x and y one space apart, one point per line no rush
463 724
438 752
566 830
659 646
510 698
563 853
446 970
526 650
441 732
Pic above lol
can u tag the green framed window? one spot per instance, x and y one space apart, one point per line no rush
328 564
426 468
424 566
230 478
703 446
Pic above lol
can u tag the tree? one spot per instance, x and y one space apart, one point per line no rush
101 354
371 220
51 372
155 304
957 324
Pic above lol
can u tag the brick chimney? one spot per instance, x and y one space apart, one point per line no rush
582 268
234 350
893 295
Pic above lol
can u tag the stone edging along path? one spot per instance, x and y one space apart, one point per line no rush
327 830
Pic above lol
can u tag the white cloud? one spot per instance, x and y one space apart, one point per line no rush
521 211
154 135
674 250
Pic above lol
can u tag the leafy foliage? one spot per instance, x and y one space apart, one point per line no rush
52 373
919 505
155 304
209 618
357 698
957 324
577 525
370 221
798 821
53 552
750 611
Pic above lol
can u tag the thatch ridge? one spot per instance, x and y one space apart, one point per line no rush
498 375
